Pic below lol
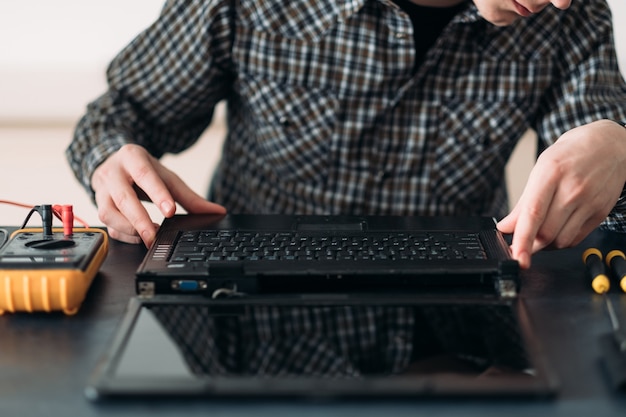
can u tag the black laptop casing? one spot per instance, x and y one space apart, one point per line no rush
158 274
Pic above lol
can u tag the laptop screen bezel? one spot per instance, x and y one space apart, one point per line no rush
104 382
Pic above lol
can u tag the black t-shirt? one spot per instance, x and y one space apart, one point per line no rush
428 22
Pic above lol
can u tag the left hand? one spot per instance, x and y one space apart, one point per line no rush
570 191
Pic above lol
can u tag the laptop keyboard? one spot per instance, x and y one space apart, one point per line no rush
226 245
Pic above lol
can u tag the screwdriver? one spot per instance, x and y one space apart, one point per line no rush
616 260
592 258
600 283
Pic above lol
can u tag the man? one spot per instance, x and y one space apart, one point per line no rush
367 107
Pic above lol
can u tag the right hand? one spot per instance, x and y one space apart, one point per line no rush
132 174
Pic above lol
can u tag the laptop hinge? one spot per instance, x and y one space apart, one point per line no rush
507 283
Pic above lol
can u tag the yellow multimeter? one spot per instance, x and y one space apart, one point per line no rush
49 272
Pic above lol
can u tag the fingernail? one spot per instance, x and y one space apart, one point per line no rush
524 260
147 236
166 207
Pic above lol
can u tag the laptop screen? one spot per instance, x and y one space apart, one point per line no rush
323 349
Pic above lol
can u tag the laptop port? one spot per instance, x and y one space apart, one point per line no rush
189 285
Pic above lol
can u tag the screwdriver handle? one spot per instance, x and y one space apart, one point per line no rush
616 260
592 258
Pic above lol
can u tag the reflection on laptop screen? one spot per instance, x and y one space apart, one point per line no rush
341 349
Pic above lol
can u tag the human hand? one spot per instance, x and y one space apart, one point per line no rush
570 191
132 174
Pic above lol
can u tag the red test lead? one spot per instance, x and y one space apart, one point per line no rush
67 217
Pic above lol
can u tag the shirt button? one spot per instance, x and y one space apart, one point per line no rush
401 35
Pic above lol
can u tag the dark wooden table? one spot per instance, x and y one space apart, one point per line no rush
46 359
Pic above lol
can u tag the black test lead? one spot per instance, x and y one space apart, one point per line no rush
45 210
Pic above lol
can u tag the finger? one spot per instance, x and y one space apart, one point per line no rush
559 220
118 204
132 238
110 216
118 226
526 229
507 224
191 201
123 237
582 222
127 209
533 206
144 172
589 226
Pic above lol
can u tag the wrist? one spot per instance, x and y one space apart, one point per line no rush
622 200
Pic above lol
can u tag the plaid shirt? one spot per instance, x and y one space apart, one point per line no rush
328 112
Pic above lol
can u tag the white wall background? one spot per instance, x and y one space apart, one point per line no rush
53 56
53 53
